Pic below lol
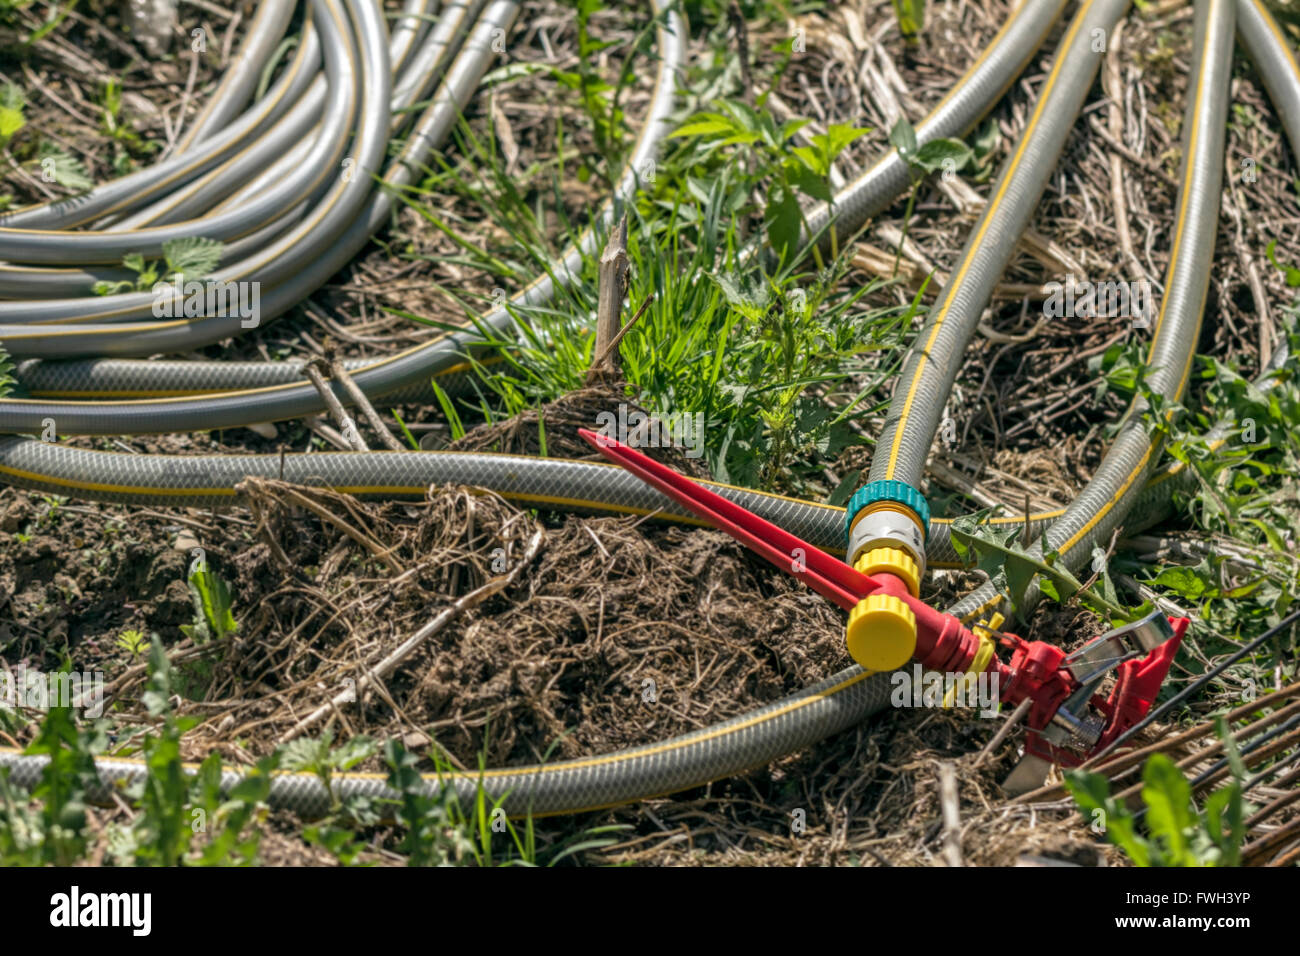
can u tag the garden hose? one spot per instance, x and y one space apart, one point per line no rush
1118 481
931 369
1118 491
982 86
121 396
890 511
588 487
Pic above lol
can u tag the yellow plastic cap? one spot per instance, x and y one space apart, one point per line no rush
893 561
881 632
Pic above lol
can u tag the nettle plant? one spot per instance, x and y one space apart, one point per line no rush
128 145
192 257
7 380
944 156
600 100
45 159
797 333
1022 574
177 818
1241 575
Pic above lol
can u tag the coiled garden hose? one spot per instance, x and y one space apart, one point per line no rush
122 396
1119 491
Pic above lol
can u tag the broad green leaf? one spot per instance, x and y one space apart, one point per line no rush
903 138
213 599
1092 793
193 256
839 135
935 154
12 120
911 17
1291 272
1168 797
783 221
1186 581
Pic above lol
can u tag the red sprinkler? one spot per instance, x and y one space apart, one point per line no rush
1068 720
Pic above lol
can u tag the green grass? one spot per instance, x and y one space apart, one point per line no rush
1242 520
1170 830
177 818
779 360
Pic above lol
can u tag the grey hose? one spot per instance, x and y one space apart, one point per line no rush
74 393
136 188
934 361
765 733
1129 462
240 79
982 86
360 83
1275 61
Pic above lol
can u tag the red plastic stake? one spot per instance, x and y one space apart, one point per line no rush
1138 683
829 577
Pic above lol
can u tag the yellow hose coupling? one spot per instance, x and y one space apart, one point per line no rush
881 633
887 524
893 561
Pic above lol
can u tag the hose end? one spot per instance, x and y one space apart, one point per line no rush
888 515
881 632
897 492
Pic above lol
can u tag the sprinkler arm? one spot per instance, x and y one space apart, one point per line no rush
1068 721
1082 722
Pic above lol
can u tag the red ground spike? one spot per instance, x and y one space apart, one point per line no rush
825 574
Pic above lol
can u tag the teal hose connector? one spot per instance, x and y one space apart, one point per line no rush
888 490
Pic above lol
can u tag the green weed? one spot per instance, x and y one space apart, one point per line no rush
178 818
911 18
1176 832
189 258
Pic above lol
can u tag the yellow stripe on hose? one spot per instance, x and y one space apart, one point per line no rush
264 106
669 745
112 489
989 211
582 764
457 369
1174 261
1282 42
